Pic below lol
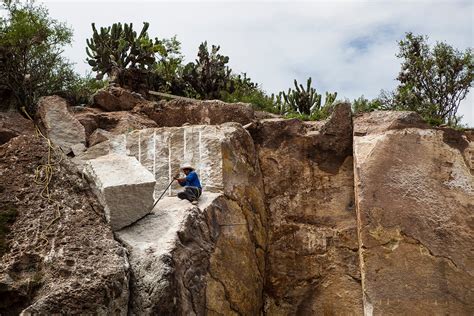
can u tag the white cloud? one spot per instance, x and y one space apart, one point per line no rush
345 46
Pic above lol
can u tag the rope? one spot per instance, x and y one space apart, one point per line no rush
44 174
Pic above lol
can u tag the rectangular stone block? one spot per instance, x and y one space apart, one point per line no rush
124 187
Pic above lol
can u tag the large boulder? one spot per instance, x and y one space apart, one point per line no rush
312 262
124 187
60 256
203 259
60 125
415 202
115 98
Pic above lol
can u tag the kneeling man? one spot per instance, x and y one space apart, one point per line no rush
192 185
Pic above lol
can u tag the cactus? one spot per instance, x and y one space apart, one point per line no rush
115 48
304 101
209 75
280 106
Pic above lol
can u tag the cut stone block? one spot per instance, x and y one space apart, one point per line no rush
124 187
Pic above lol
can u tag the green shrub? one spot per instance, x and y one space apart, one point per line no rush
79 92
243 89
362 104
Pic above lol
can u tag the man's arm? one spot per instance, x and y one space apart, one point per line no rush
181 181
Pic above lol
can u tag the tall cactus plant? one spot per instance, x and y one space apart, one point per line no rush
115 48
300 99
209 75
305 101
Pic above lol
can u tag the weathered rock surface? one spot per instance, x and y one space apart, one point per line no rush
207 259
60 125
60 255
116 99
415 202
312 262
179 112
114 122
12 124
99 136
124 187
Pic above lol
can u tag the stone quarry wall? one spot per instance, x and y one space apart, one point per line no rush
196 260
367 217
312 259
415 202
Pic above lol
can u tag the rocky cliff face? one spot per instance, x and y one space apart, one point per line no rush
61 256
415 202
371 216
205 259
312 260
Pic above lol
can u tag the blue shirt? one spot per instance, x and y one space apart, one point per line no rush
192 180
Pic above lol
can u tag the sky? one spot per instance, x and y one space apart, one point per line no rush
345 46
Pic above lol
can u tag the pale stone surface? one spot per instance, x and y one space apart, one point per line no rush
124 187
414 194
312 262
78 149
60 125
204 259
163 150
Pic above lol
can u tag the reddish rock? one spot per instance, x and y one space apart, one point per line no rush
179 112
116 99
99 136
113 122
13 124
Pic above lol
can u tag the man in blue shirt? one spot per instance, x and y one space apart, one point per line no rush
192 185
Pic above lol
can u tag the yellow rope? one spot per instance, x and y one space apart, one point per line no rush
44 174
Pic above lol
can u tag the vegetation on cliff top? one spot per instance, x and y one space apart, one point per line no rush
432 80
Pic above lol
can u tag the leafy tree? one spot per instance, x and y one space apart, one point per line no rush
209 76
433 81
31 44
169 68
118 47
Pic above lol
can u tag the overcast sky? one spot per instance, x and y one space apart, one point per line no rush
345 46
